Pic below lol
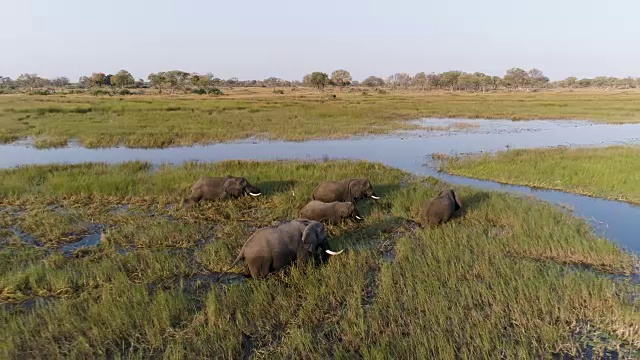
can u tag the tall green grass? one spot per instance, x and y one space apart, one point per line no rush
610 172
154 121
494 282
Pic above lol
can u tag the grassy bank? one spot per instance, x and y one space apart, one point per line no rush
500 280
607 172
155 121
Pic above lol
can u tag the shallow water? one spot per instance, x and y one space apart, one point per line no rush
407 151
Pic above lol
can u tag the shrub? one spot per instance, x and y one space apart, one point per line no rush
124 92
40 92
215 91
278 91
199 91
99 92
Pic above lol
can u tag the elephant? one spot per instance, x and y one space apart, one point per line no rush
331 212
214 188
344 190
439 209
272 248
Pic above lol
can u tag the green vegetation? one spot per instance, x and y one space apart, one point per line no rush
152 121
607 172
501 280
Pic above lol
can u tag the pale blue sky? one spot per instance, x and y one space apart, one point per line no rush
255 39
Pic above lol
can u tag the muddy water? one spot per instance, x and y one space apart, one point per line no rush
409 151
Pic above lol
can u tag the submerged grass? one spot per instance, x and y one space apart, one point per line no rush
609 172
160 121
491 283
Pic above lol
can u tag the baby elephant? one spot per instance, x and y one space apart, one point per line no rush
331 212
439 209
344 190
215 188
270 249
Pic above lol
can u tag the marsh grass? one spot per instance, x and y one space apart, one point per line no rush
610 172
157 121
490 283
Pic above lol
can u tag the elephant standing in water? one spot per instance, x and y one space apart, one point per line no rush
439 209
270 249
344 190
331 212
216 188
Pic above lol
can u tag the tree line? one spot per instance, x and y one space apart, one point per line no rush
177 80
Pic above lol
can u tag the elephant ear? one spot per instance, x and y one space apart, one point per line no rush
355 188
232 187
455 198
343 209
312 235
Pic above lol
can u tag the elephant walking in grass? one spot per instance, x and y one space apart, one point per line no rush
272 248
217 188
439 209
344 190
331 212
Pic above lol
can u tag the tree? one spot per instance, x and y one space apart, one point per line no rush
373 81
569 82
468 82
84 81
30 81
122 78
585 83
60 82
175 79
482 81
420 81
399 80
341 78
4 81
157 80
449 79
317 79
537 78
516 78
272 82
97 79
433 80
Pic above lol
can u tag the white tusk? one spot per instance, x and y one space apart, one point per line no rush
358 217
252 194
375 197
333 253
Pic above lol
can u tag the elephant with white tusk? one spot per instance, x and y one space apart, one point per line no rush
439 209
272 248
331 212
216 188
344 190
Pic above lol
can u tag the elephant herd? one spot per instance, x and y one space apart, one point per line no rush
272 248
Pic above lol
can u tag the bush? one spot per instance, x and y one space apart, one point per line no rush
99 92
40 92
124 92
278 91
381 91
203 91
215 91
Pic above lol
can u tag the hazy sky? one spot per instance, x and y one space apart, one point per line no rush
255 39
